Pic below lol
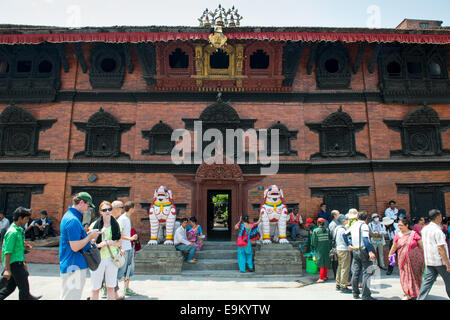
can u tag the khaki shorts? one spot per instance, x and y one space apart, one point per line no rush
73 284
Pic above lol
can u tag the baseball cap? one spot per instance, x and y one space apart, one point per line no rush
86 197
341 218
309 221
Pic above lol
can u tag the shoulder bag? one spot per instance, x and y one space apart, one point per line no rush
242 241
118 259
333 251
92 257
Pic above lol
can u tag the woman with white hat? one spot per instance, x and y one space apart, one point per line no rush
392 230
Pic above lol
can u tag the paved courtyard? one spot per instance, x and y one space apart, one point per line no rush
44 280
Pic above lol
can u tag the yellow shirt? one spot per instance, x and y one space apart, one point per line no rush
107 235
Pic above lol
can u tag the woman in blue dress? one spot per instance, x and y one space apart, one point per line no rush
244 253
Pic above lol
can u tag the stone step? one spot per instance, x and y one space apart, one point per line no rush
212 264
216 254
219 245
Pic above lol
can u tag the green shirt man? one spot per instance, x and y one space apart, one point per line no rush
16 274
13 244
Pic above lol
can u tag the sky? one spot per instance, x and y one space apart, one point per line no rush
285 13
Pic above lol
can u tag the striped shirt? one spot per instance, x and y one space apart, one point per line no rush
432 237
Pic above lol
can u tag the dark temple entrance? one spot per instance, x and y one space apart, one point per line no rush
219 215
219 179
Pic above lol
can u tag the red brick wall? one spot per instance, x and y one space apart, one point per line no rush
375 141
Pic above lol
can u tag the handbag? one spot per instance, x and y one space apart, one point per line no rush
118 260
333 252
92 257
242 241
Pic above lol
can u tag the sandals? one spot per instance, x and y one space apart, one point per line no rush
320 281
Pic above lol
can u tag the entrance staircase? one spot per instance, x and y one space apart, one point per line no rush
216 258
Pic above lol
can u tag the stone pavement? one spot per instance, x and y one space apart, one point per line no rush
44 280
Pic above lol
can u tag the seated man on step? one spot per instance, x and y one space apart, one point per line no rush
182 243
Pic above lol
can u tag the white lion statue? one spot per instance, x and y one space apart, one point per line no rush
274 213
162 213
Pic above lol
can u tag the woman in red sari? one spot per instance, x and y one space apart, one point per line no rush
408 244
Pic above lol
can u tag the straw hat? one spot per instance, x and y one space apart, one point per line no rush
352 214
387 221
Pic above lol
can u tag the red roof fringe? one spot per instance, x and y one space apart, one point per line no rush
271 36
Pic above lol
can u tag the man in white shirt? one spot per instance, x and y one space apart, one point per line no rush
332 227
117 207
363 254
435 250
127 269
4 226
377 232
391 211
182 243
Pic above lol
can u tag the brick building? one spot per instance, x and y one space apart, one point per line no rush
363 116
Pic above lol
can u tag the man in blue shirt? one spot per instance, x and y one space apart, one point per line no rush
323 213
73 240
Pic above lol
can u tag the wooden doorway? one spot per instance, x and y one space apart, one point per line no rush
218 215
218 178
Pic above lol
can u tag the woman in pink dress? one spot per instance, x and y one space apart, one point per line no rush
408 244
419 225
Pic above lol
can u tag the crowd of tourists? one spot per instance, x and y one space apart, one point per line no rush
352 244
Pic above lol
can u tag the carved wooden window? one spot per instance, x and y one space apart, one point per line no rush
220 116
340 198
420 133
13 196
333 67
19 133
394 66
24 66
29 72
219 60
178 59
414 63
107 66
4 67
159 139
175 65
413 73
45 66
103 135
337 136
259 60
436 66
424 197
284 139
100 194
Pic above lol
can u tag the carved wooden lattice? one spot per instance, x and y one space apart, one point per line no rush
103 135
337 135
159 138
19 133
420 133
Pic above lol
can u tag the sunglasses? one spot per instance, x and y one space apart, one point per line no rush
107 209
